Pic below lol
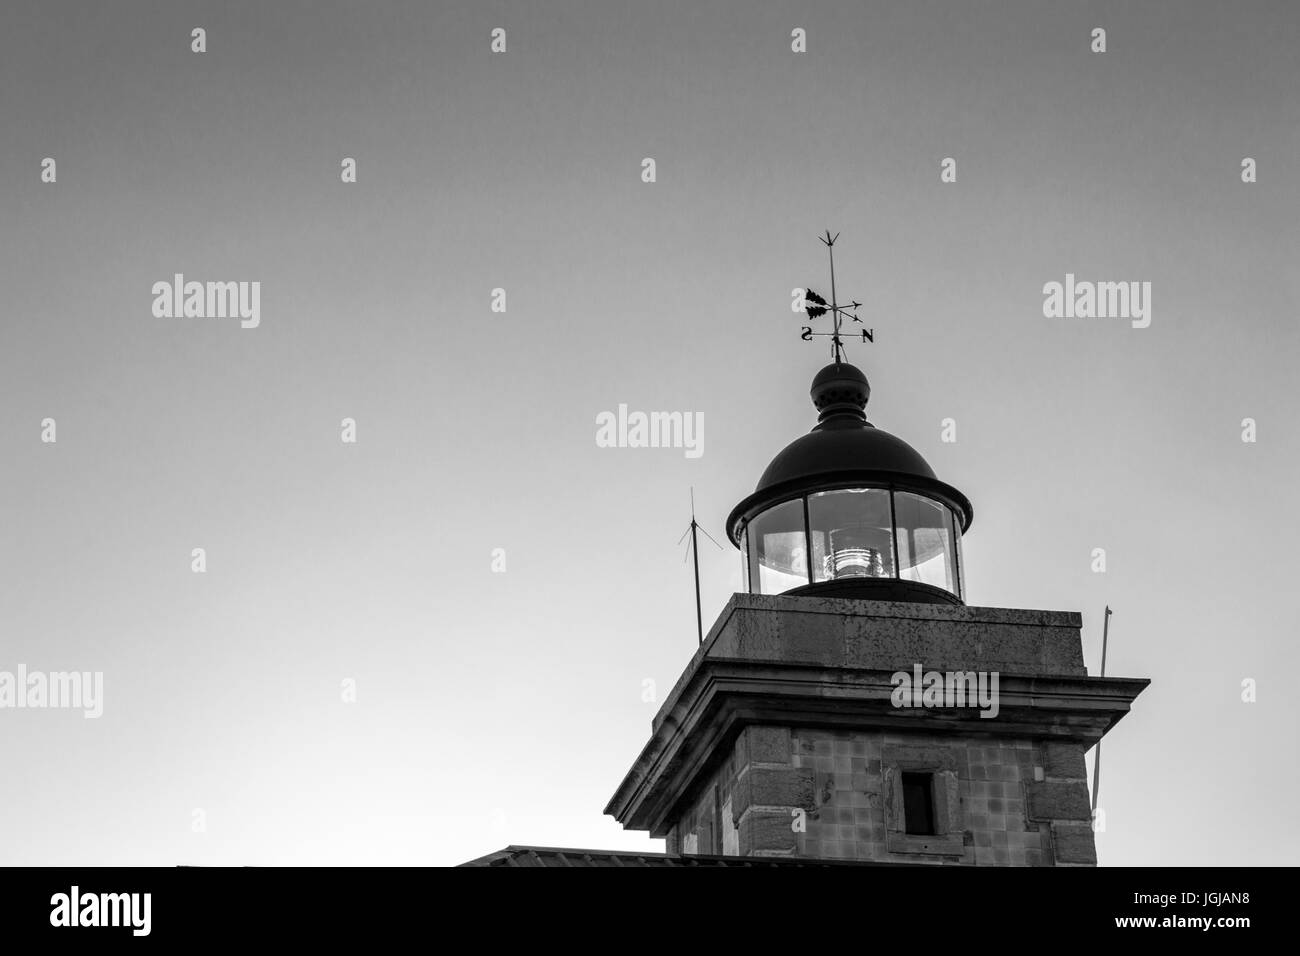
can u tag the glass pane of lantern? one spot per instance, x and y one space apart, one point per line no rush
744 561
961 558
778 550
926 551
851 535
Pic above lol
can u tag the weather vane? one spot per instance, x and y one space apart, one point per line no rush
816 307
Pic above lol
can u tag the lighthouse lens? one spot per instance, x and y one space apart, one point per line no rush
851 534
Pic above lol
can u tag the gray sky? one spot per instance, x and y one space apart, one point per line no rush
497 708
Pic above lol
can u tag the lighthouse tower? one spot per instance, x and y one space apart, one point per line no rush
851 705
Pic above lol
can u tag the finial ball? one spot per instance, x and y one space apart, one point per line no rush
840 384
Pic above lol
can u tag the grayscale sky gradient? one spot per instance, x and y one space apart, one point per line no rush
505 708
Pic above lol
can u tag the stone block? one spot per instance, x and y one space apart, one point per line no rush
773 787
1074 844
768 744
911 757
1064 760
766 831
1058 800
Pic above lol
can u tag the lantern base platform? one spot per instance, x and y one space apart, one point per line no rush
877 589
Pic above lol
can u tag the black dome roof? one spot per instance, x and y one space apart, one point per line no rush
844 449
825 450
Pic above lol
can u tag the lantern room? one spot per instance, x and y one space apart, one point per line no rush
851 511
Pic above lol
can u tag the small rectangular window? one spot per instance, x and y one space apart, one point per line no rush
918 803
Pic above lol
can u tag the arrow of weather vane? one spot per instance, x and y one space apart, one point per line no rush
815 307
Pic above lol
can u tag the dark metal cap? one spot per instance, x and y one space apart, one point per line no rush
840 389
844 450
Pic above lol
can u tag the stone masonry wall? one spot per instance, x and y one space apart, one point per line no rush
838 795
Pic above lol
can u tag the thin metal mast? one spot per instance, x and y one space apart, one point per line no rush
695 554
694 530
1096 763
836 350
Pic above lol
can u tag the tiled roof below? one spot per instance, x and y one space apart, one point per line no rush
557 856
